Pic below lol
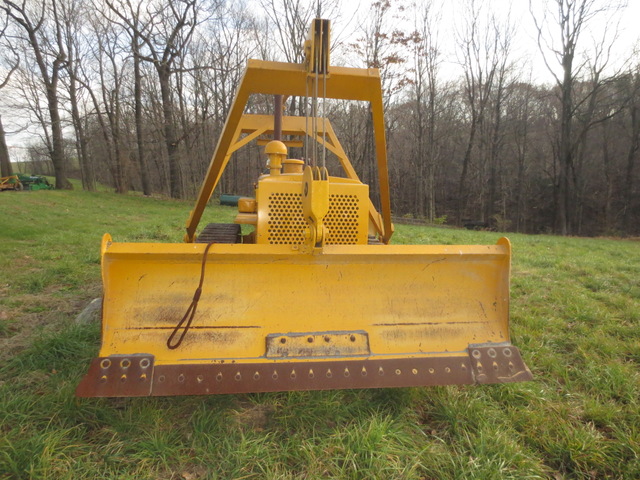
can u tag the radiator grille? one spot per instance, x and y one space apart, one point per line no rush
342 220
286 224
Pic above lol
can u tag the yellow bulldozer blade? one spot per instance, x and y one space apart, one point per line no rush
270 318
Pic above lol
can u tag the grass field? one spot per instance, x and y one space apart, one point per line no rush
575 317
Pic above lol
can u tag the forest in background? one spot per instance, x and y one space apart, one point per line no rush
134 94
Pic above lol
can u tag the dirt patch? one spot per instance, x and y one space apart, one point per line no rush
254 417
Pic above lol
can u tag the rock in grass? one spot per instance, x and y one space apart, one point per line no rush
91 312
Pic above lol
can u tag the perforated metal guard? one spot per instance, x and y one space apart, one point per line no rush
286 224
342 220
286 221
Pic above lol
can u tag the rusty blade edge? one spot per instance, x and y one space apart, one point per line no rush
209 379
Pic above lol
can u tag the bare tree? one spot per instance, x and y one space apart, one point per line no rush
166 33
72 16
631 82
427 58
570 19
38 27
483 49
5 162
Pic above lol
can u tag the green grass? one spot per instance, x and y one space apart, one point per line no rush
575 316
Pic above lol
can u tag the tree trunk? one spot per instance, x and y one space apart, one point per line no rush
86 167
175 172
57 154
632 154
5 162
137 88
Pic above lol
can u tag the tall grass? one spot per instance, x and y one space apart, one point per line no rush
575 317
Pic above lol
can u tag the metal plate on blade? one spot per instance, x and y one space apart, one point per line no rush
317 375
493 363
118 376
318 344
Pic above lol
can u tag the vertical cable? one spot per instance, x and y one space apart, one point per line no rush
306 119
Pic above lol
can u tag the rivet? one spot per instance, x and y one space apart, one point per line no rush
495 366
143 377
293 375
219 377
103 379
352 338
380 371
476 354
506 352
327 338
492 353
123 378
283 340
144 363
275 375
432 371
463 366
200 378
125 363
346 372
106 363
414 371
398 371
181 378
511 367
256 376
310 339
363 372
238 377
311 374
329 374
447 369
161 378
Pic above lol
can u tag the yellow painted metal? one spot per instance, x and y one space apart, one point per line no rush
315 203
252 126
317 47
412 300
281 219
277 153
276 78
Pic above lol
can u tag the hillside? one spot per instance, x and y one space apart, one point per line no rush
575 317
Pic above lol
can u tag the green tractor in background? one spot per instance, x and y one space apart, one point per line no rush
22 181
34 182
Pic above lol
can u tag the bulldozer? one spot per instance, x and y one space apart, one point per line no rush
304 291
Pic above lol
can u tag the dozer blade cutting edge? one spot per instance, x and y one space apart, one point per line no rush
313 297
